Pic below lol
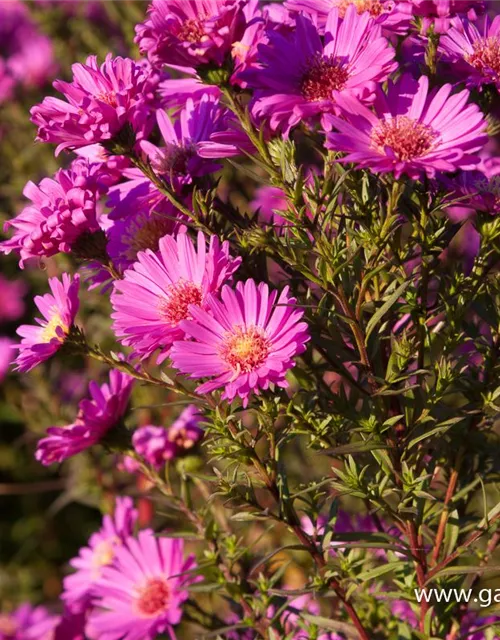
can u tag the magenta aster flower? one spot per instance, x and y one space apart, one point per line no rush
12 304
439 13
203 130
243 343
96 416
411 131
61 210
302 76
151 443
191 32
6 345
156 292
100 552
393 16
71 626
186 432
156 445
141 594
141 230
27 623
99 103
474 51
39 343
477 191
267 202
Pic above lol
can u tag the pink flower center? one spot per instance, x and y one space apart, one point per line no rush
407 138
55 328
153 598
175 307
145 233
486 55
374 7
8 626
245 349
191 30
324 75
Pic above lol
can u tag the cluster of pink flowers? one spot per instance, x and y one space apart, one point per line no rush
126 584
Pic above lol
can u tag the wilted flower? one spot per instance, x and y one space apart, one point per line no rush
141 594
157 292
96 416
411 131
191 32
39 343
100 102
301 77
244 343
99 553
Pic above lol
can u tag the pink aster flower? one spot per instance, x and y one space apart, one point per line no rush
61 210
267 203
474 51
156 445
301 76
59 308
157 292
12 304
411 131
476 191
99 553
394 16
151 443
71 626
202 132
243 343
6 345
190 32
99 103
185 432
141 594
141 230
438 14
96 417
27 623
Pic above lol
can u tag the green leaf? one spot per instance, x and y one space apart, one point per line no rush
379 314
